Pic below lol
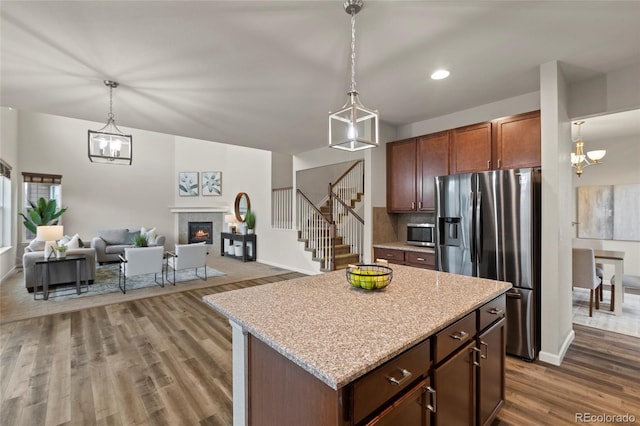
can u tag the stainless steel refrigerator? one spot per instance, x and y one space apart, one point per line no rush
488 225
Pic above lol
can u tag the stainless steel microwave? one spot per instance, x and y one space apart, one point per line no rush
421 234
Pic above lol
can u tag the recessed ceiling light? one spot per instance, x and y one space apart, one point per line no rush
440 74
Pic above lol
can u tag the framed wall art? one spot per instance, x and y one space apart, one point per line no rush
211 183
188 184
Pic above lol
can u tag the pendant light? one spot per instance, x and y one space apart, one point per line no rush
109 145
354 126
578 159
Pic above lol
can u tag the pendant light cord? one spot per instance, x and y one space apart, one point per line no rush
110 116
353 51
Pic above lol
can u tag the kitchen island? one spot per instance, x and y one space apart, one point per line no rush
314 350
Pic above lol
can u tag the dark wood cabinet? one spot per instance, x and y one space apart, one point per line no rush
418 259
401 176
517 141
413 409
390 255
412 164
433 160
454 383
471 148
469 374
491 378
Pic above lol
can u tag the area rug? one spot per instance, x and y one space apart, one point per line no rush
628 323
107 281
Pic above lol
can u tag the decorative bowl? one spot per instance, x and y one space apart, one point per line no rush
369 277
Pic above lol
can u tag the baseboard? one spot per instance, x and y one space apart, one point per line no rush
8 274
288 267
556 359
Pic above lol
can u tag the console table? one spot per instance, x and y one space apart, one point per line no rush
244 239
45 265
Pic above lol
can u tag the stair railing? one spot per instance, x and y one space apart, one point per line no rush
349 225
316 229
282 208
350 185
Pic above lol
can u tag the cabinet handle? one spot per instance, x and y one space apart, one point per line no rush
488 164
421 259
419 204
432 399
498 163
405 376
474 357
460 335
413 205
495 311
486 350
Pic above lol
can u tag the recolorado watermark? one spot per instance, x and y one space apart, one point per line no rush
604 418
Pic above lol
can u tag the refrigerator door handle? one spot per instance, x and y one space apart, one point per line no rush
478 225
472 243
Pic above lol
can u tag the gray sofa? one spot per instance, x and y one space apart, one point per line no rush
63 273
110 243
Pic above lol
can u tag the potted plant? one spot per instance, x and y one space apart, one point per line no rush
41 213
141 240
250 220
61 251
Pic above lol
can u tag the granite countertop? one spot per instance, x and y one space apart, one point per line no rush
401 245
337 332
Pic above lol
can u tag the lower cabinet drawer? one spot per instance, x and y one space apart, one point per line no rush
420 259
492 311
454 336
412 409
393 256
379 386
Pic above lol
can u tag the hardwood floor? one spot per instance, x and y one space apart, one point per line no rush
167 360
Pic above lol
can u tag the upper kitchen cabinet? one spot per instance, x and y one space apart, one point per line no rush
517 141
471 148
401 176
433 160
412 166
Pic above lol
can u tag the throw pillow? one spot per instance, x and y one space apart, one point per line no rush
70 242
36 245
149 233
132 236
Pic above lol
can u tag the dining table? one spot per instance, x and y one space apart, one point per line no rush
615 258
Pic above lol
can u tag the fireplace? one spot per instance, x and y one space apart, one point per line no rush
200 231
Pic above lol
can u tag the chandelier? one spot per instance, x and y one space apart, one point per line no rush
578 158
109 145
354 126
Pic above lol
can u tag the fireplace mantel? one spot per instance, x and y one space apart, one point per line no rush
199 209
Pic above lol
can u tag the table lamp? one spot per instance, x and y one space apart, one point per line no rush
49 234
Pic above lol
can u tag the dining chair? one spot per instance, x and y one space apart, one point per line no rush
584 274
188 256
596 245
628 281
139 261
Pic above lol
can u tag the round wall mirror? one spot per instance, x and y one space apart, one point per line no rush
242 205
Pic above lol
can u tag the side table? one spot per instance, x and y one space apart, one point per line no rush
244 238
45 265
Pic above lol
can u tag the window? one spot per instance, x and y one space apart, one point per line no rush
36 186
5 204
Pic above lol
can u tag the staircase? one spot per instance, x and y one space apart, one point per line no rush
333 231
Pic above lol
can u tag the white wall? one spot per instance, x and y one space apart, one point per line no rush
281 170
9 153
616 91
511 106
97 195
555 295
619 167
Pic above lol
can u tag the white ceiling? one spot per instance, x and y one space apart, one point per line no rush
265 74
